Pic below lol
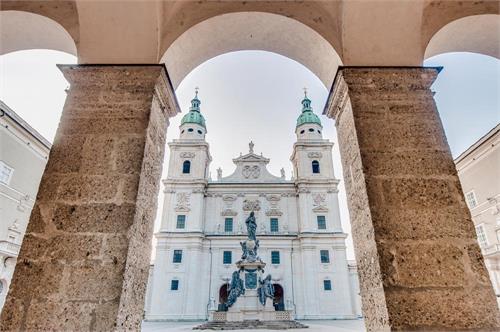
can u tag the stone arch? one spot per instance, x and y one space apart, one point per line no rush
279 297
477 34
23 30
223 293
251 31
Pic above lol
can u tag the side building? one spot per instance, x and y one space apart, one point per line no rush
299 228
23 155
479 172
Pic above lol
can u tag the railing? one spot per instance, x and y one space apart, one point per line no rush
9 248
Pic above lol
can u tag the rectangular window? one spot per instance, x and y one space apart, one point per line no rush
471 199
274 225
5 173
177 256
174 285
181 221
227 257
327 284
321 222
481 236
275 257
325 256
228 225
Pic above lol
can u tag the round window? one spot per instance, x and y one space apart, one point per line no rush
190 130
311 130
200 132
302 131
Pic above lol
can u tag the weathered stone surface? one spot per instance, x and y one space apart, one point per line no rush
419 264
443 309
100 218
84 260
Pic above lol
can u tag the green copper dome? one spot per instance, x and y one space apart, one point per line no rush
194 115
307 115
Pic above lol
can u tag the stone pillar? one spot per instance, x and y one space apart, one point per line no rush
84 260
419 263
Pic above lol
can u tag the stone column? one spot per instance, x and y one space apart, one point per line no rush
419 263
84 260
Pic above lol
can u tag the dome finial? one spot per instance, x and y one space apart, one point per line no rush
306 102
195 102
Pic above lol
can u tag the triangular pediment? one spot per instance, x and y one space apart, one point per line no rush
251 157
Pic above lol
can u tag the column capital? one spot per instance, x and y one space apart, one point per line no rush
349 78
123 76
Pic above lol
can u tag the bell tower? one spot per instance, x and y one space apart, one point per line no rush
187 175
190 157
313 174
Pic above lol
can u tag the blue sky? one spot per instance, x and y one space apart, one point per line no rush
255 95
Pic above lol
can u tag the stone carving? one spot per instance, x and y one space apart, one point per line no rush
315 155
251 172
250 147
187 155
266 289
319 202
228 201
219 174
251 205
274 209
183 204
236 288
282 171
228 213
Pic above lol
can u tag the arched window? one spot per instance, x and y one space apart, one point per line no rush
315 166
186 167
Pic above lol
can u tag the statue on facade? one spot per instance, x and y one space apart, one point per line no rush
219 174
282 171
251 226
266 289
236 289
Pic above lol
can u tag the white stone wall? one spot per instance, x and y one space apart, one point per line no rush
295 203
21 151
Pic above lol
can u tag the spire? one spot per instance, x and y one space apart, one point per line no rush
194 114
306 102
307 115
195 102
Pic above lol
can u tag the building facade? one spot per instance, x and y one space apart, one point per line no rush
479 171
23 155
299 227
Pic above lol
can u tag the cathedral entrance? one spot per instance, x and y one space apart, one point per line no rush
278 302
223 293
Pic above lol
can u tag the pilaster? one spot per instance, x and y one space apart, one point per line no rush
419 263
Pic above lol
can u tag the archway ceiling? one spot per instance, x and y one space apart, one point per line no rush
478 33
23 31
251 31
18 34
372 33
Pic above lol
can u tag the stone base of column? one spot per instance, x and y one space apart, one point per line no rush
419 263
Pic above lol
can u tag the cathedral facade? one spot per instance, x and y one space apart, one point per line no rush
298 224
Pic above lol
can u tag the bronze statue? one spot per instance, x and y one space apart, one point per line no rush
251 226
236 289
266 289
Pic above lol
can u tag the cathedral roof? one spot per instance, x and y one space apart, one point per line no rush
194 115
307 115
